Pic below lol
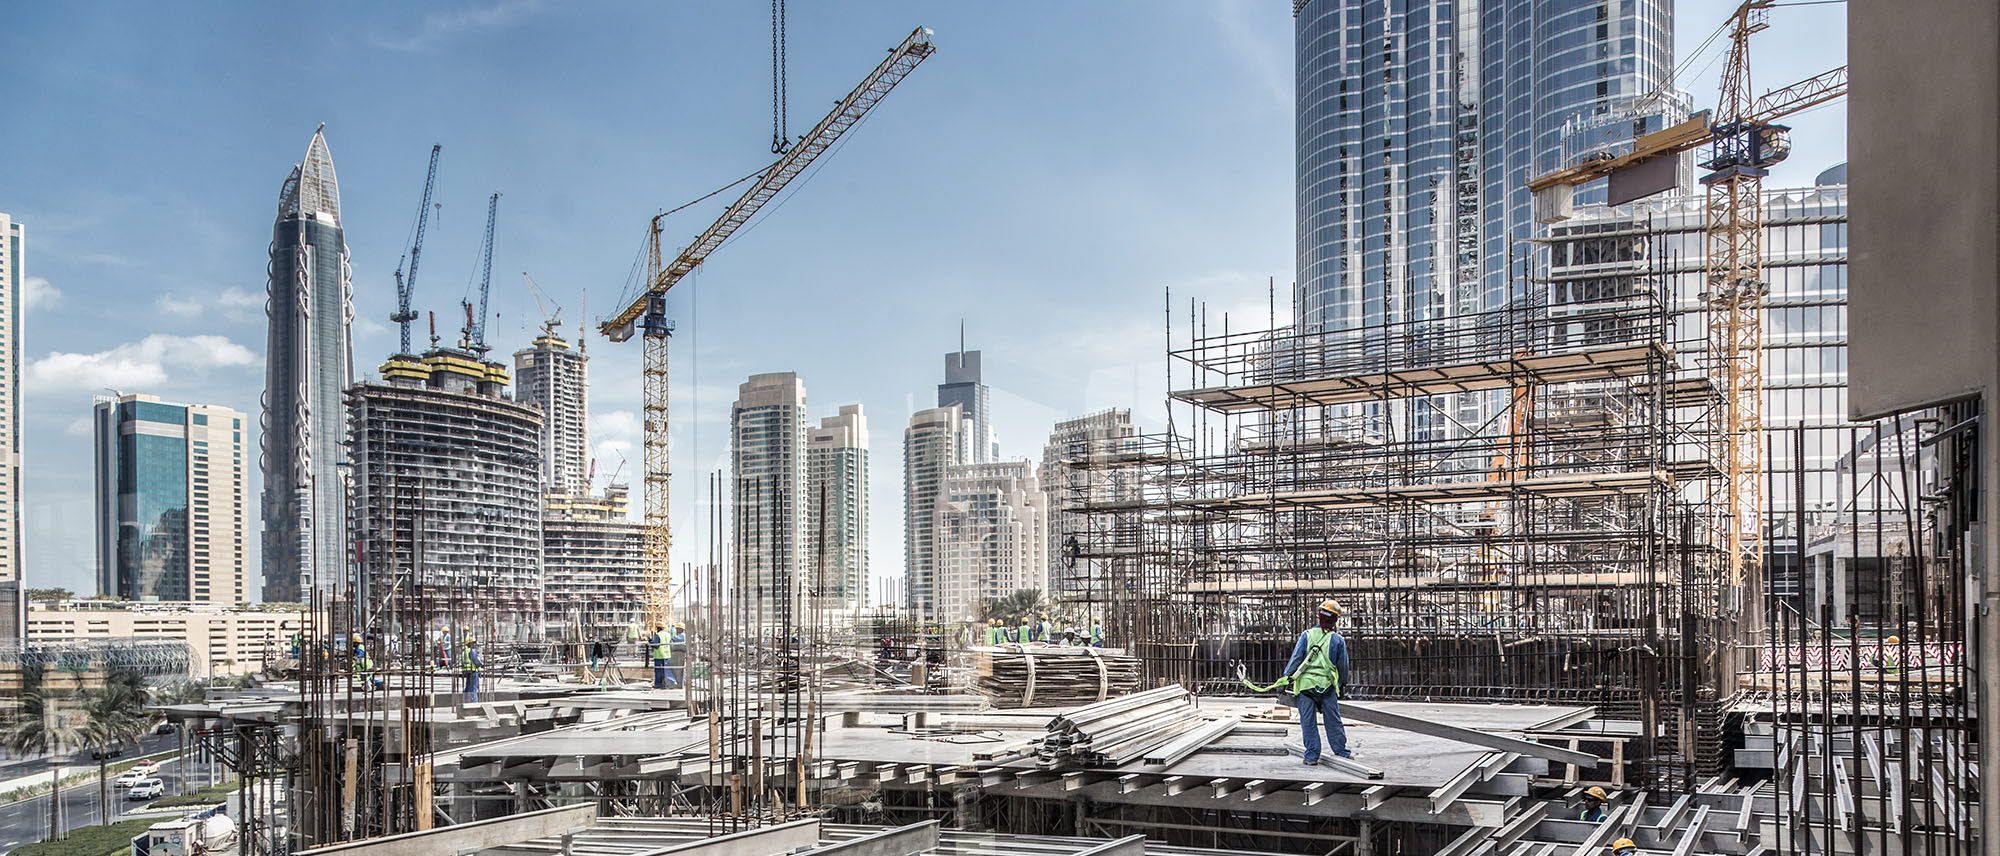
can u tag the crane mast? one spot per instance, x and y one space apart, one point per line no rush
475 322
406 287
647 314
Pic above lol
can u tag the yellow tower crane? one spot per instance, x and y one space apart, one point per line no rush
647 314
1744 143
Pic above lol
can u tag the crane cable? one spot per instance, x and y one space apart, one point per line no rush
780 97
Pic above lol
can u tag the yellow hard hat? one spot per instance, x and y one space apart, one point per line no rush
1894 641
1329 607
1624 845
1596 793
679 626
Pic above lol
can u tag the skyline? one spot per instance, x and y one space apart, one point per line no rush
1017 135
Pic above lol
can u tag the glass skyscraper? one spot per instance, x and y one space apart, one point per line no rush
169 500
1419 125
309 363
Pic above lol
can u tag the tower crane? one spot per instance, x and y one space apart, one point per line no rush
1744 141
407 287
550 320
647 314
474 338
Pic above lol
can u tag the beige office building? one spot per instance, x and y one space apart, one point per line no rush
222 640
992 536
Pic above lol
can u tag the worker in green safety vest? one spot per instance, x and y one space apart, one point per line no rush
658 646
1316 672
469 664
994 634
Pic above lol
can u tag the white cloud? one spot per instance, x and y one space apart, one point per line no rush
78 427
440 25
178 307
37 293
135 365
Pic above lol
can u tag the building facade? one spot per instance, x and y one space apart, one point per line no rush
221 640
837 490
308 366
593 560
448 498
1624 250
965 385
992 536
171 517
932 444
1071 473
13 278
555 379
767 457
1419 125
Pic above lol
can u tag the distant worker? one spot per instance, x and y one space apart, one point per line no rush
1044 631
469 664
995 635
657 651
1890 661
1593 805
362 664
1026 632
1096 635
1316 672
677 655
1624 847
598 654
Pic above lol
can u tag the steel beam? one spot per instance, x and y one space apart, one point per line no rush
1376 716
900 841
783 838
1691 836
1130 845
477 835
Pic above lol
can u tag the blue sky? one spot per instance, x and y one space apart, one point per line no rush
1044 177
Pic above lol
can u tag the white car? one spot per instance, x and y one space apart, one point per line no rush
131 777
146 765
147 789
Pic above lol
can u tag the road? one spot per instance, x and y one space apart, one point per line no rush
28 820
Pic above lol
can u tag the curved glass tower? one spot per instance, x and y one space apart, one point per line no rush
308 365
1419 124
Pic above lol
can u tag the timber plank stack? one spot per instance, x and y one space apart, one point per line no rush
1049 676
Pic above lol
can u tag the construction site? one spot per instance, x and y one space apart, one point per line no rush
1617 572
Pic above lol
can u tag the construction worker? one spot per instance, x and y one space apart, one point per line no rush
1624 847
676 650
1316 672
1096 635
1593 805
362 665
1890 661
469 664
994 635
657 650
1026 632
1044 631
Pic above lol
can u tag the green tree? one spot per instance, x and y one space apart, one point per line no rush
39 728
116 714
1015 609
41 595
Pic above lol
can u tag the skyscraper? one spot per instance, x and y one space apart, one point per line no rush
767 458
932 444
308 365
556 380
964 387
1418 127
837 492
593 560
992 531
13 606
170 504
448 498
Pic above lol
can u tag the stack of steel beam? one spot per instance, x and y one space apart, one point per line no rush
1034 675
1120 730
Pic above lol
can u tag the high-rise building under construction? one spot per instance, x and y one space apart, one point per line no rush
308 365
448 498
593 561
555 379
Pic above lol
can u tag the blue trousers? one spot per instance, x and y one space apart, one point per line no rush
1327 709
472 687
659 674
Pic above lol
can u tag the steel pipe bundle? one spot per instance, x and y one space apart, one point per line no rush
1126 729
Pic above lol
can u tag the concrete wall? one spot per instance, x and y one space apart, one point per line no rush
1924 256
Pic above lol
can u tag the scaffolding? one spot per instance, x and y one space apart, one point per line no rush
1509 505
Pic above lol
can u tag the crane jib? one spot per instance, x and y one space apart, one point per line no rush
901 60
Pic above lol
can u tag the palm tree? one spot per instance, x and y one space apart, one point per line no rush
117 714
39 728
1015 608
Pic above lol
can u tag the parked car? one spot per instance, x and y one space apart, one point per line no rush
147 789
115 750
131 777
